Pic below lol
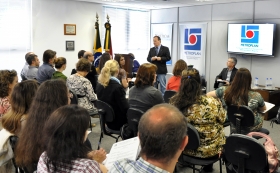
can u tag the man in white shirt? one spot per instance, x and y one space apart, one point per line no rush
25 67
34 63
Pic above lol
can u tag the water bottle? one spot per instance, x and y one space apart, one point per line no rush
256 83
271 84
267 84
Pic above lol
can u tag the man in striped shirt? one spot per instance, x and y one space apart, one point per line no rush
163 136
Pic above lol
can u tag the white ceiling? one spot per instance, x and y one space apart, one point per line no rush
156 4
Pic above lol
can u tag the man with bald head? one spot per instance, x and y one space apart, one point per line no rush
163 136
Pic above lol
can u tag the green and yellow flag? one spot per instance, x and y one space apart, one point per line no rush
97 43
108 41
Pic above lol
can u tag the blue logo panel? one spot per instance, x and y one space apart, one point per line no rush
193 43
250 34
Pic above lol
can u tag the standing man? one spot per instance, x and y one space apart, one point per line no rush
159 55
227 74
34 63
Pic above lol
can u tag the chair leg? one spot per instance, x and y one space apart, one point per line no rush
101 136
220 162
193 168
90 124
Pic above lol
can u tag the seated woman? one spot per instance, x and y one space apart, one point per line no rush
51 95
122 73
110 90
60 65
68 125
205 113
143 95
81 86
8 79
21 98
175 81
240 93
103 59
13 121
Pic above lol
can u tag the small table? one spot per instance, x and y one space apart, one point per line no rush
271 96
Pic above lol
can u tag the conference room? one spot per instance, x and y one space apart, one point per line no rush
205 34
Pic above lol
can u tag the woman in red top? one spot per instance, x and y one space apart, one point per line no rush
175 81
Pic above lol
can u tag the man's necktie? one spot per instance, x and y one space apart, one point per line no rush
157 50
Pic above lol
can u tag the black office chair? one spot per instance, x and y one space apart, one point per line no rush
245 153
193 144
133 118
106 114
168 94
242 118
73 98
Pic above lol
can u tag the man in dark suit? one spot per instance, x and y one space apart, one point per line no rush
158 55
227 74
92 75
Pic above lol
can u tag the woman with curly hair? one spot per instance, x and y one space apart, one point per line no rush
8 79
205 113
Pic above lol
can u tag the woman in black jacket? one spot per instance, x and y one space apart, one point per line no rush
110 91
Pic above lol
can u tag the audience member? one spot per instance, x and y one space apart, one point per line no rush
81 86
34 63
162 132
110 90
14 120
122 73
240 93
227 74
21 98
206 114
175 81
103 59
25 67
60 65
92 74
80 55
143 95
46 70
51 95
66 131
135 64
8 79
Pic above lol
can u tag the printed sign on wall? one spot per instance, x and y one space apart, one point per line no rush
193 44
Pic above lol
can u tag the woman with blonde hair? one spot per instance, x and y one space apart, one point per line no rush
60 65
110 90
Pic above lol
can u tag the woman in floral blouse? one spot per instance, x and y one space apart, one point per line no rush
8 79
206 114
240 93
81 86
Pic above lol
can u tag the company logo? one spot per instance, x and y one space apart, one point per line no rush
192 39
250 35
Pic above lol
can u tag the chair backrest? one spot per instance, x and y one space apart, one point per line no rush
240 116
106 110
74 98
245 152
168 94
194 139
133 118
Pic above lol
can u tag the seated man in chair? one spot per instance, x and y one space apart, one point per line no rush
162 133
227 74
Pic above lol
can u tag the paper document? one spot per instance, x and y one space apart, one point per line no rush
268 106
133 79
127 149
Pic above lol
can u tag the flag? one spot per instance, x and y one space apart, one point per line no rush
97 48
108 41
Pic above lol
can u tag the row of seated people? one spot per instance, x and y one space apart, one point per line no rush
189 90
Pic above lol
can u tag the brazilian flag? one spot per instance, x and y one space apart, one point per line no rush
97 43
108 41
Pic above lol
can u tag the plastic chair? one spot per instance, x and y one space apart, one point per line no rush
245 153
106 114
133 118
242 118
168 94
193 144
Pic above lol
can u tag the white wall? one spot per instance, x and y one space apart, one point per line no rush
218 16
49 18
